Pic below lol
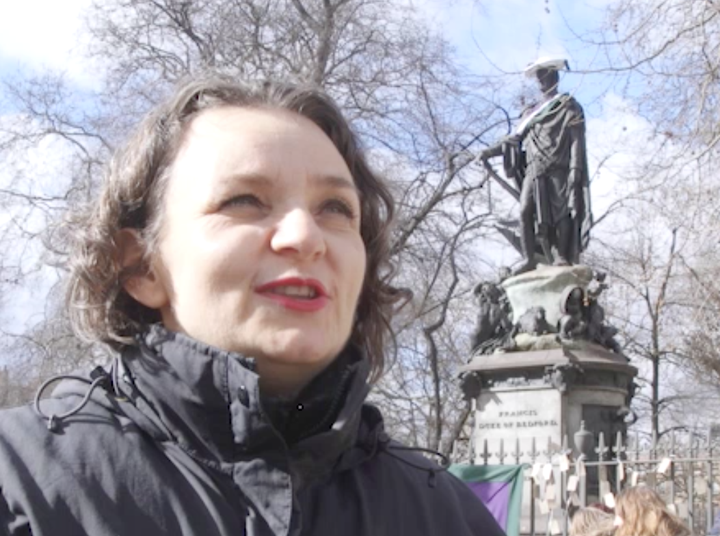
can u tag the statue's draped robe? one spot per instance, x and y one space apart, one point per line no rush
547 134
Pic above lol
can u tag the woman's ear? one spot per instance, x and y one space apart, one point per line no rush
144 285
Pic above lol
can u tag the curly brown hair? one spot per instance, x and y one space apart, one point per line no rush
134 187
644 513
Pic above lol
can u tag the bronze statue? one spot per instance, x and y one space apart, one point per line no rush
546 158
494 327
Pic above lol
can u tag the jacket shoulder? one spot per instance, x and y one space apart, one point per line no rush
23 430
40 468
434 490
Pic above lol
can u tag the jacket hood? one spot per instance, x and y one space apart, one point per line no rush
209 402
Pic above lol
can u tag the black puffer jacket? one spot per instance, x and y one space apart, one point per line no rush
178 444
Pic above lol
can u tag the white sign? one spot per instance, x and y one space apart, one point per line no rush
512 416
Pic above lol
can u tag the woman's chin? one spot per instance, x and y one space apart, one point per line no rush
300 346
285 371
300 354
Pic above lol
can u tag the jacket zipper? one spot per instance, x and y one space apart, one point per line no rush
333 405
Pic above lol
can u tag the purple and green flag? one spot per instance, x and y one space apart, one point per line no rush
499 487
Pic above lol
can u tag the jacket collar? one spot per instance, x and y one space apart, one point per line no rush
209 402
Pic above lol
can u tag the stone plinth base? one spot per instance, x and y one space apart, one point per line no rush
540 397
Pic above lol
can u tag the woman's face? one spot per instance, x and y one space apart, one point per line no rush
260 250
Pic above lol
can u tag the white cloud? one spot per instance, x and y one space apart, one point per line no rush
505 35
616 141
43 33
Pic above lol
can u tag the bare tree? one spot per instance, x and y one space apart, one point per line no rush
663 60
700 339
648 304
665 57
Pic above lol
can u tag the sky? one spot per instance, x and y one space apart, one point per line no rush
492 37
41 33
502 36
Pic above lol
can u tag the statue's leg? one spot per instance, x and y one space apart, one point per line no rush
574 242
563 241
527 227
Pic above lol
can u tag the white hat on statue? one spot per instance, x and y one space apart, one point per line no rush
554 63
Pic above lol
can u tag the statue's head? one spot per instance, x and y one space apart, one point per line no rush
546 70
572 301
548 80
539 314
479 289
486 292
504 273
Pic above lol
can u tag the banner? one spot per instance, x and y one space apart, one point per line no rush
499 487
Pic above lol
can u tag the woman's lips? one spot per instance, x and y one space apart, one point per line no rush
297 294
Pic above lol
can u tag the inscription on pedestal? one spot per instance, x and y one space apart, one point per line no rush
508 420
513 415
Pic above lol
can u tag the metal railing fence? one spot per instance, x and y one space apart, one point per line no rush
683 468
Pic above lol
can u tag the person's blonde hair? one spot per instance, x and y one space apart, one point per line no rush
644 513
132 197
591 521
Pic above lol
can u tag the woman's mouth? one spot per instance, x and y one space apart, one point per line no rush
297 294
295 291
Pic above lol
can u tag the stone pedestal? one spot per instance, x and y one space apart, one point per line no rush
540 397
545 361
530 405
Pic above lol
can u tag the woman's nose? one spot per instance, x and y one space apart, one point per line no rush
298 233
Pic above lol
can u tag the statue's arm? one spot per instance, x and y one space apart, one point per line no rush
492 150
578 161
497 149
577 147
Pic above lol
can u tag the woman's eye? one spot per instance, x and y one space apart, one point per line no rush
244 200
338 206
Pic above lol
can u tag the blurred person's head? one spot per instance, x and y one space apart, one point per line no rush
591 521
640 511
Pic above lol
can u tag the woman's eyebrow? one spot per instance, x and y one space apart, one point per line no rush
263 182
338 182
254 180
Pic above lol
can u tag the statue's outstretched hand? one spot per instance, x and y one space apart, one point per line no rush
483 156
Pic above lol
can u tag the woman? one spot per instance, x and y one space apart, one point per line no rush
236 262
640 511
